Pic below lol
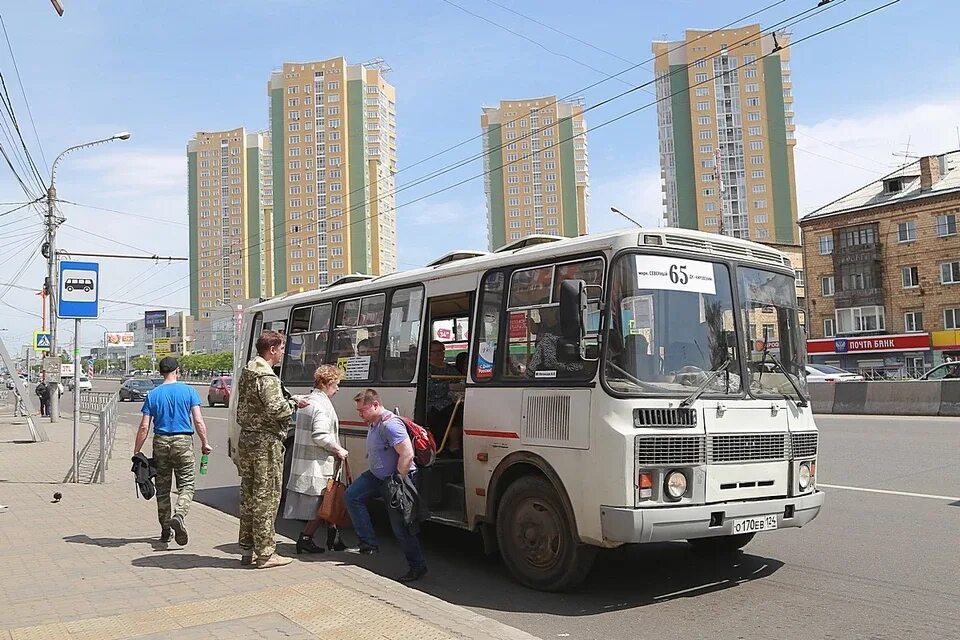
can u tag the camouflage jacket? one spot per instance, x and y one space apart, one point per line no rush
261 405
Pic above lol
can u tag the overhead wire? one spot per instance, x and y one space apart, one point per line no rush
123 213
26 101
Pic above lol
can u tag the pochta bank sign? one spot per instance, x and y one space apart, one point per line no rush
878 344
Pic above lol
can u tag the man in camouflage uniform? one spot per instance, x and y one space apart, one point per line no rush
174 409
263 413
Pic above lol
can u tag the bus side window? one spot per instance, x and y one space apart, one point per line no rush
254 334
307 343
488 326
403 335
356 336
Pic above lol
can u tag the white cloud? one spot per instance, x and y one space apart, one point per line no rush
865 147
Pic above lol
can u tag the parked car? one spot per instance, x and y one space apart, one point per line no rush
219 391
945 371
85 384
156 381
135 389
827 373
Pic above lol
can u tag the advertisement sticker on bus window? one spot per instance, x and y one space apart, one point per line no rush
354 367
545 374
485 359
675 274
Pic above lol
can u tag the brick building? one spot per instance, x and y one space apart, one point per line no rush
882 268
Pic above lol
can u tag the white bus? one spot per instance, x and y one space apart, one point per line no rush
628 387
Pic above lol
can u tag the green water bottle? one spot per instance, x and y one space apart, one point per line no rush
203 464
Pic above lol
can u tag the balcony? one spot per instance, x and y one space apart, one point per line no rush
858 297
857 253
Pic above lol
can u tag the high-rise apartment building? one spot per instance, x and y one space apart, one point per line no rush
230 197
334 138
535 159
725 117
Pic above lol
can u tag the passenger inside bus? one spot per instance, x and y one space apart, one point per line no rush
552 353
443 407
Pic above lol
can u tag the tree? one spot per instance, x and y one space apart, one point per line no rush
222 361
100 364
142 363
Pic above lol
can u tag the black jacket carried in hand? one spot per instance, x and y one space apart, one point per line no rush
403 496
144 471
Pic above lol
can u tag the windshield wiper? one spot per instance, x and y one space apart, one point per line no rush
636 381
779 365
706 383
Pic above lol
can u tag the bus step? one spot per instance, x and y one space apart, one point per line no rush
453 497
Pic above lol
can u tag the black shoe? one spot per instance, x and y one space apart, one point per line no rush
165 534
305 544
334 542
368 549
179 530
414 574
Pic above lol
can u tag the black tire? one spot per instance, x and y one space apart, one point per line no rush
209 401
536 538
226 402
721 544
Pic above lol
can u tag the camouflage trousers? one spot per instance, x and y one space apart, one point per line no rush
261 477
173 456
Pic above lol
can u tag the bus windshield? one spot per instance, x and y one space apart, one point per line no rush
672 323
774 337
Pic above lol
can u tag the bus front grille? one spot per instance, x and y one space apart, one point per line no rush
747 447
804 445
655 451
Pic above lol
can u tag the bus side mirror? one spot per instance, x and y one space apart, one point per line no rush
573 309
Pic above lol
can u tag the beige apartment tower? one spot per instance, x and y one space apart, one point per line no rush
725 118
333 128
230 203
537 177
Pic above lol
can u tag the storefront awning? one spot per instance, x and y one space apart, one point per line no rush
873 344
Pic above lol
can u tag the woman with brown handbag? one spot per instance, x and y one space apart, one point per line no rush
316 448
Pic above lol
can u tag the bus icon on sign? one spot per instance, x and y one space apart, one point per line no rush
79 284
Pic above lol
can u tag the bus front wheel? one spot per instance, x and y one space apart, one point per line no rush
721 544
536 538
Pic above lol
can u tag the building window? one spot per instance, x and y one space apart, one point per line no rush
706 148
753 102
710 206
759 188
758 173
753 116
826 286
951 318
753 87
829 328
756 159
910 277
760 218
702 91
947 225
703 120
756 145
709 192
800 278
706 134
913 321
711 221
860 319
949 272
759 204
907 231
701 77
826 245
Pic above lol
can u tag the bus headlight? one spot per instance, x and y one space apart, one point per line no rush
675 484
804 475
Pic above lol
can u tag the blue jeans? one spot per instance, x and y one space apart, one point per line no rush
361 490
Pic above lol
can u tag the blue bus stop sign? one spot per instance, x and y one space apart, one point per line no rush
79 290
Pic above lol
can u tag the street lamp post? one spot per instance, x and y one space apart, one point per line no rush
50 249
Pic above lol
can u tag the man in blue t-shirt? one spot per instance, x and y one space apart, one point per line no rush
174 408
390 452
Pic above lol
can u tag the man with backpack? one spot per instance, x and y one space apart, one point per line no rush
391 455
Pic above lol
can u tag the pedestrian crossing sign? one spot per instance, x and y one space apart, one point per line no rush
41 340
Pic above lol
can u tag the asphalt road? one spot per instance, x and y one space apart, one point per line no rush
873 565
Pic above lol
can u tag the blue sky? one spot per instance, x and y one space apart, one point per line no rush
164 70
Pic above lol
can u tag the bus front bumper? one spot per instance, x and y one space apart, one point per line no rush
663 524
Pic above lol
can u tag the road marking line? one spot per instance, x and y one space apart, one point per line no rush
893 493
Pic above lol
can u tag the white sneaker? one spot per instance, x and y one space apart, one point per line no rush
3 508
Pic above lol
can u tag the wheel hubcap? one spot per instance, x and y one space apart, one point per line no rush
538 532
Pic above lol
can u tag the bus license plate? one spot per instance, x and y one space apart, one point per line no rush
753 525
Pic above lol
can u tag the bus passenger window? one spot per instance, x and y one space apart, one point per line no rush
488 326
403 335
307 343
356 336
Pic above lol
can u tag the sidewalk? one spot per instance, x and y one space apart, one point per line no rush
90 566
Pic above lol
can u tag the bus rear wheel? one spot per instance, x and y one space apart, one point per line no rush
721 544
536 538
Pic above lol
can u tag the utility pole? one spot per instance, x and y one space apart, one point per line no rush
50 253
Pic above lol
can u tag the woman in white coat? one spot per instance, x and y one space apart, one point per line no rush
316 447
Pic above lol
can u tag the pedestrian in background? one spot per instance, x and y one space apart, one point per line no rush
43 393
316 449
390 454
263 413
174 409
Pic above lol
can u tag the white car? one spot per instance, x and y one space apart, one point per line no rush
827 373
85 384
